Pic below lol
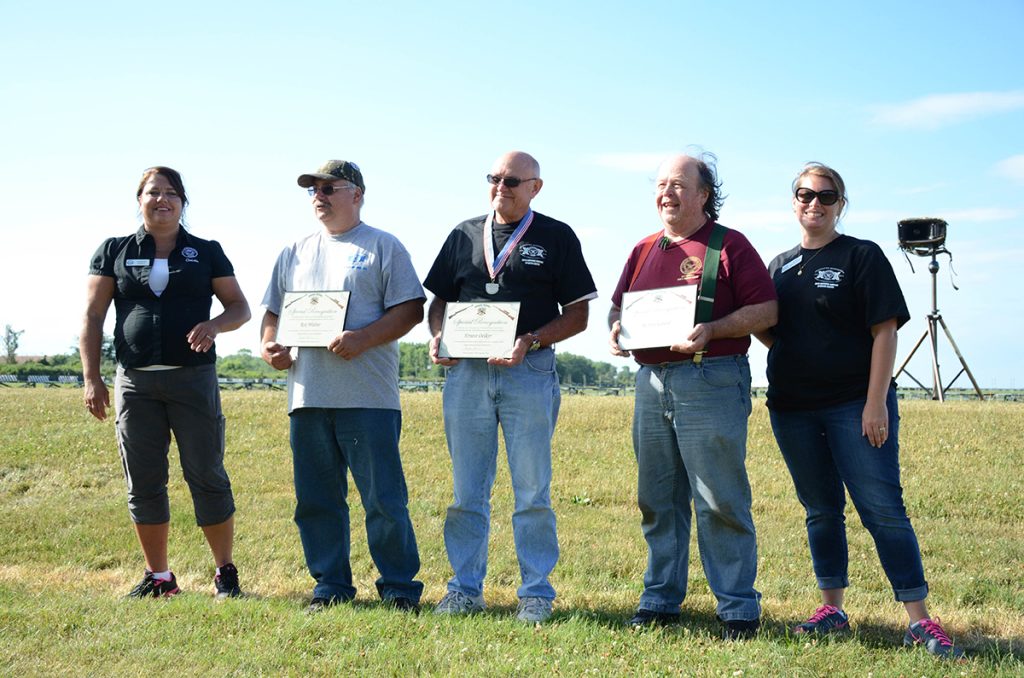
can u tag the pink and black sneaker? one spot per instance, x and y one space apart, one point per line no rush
825 620
150 587
930 634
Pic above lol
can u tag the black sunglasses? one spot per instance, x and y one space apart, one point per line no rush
327 189
511 182
806 195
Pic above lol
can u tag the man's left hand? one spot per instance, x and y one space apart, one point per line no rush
519 350
698 339
348 345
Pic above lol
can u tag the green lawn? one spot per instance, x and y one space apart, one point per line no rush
68 554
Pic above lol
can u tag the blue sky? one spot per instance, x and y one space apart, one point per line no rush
920 105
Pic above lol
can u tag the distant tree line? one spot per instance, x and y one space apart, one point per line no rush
414 364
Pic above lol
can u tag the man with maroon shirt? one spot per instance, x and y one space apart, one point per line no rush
692 405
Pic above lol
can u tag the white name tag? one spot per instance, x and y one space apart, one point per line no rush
793 263
137 262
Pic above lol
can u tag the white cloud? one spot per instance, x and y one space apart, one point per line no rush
630 162
941 110
1012 168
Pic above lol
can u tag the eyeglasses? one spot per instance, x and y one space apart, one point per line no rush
828 197
511 182
328 189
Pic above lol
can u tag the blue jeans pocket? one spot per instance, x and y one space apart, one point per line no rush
540 361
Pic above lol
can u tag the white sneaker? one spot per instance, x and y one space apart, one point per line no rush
455 602
533 610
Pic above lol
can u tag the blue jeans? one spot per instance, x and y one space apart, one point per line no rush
825 451
690 439
326 444
524 399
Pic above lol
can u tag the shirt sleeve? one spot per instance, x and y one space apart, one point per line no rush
103 259
748 275
575 281
401 283
878 291
274 296
440 279
221 267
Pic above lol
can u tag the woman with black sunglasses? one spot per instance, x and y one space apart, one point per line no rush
832 402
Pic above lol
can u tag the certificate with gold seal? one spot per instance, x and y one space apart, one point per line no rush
656 318
479 329
312 318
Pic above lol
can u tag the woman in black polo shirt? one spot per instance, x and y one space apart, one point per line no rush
833 408
161 280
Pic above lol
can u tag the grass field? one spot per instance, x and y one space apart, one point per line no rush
68 554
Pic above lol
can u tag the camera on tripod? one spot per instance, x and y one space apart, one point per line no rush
924 236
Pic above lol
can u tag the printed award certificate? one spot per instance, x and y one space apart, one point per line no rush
655 318
311 318
477 329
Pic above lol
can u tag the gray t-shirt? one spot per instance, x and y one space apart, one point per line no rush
377 270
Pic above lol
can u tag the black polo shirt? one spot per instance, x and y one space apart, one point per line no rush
545 270
151 330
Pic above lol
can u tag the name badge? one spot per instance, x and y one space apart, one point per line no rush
793 263
137 262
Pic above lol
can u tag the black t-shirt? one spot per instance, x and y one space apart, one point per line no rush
822 350
151 330
545 270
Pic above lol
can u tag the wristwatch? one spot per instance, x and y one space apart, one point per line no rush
535 344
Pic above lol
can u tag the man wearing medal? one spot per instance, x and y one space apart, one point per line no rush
343 401
512 254
693 401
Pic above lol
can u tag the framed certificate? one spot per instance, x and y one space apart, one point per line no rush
479 329
656 318
311 318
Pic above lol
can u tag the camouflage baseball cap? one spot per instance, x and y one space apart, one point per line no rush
332 170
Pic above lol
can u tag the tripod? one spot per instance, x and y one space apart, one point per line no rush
932 333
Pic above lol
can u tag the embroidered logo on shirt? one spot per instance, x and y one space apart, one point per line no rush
190 254
690 268
828 278
532 255
359 261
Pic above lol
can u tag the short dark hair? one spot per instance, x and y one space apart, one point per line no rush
171 175
707 168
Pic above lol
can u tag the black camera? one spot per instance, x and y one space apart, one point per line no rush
924 236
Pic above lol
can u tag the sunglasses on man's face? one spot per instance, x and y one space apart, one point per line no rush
327 189
511 182
806 195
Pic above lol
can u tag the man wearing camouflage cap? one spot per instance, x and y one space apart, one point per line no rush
343 398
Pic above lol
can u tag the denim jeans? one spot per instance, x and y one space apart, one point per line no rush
825 451
690 439
326 444
524 399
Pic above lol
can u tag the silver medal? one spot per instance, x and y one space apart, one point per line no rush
491 287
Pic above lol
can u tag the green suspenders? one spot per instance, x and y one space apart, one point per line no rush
708 281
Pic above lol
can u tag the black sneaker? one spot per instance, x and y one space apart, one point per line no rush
154 588
403 604
827 619
226 582
929 633
740 629
649 618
